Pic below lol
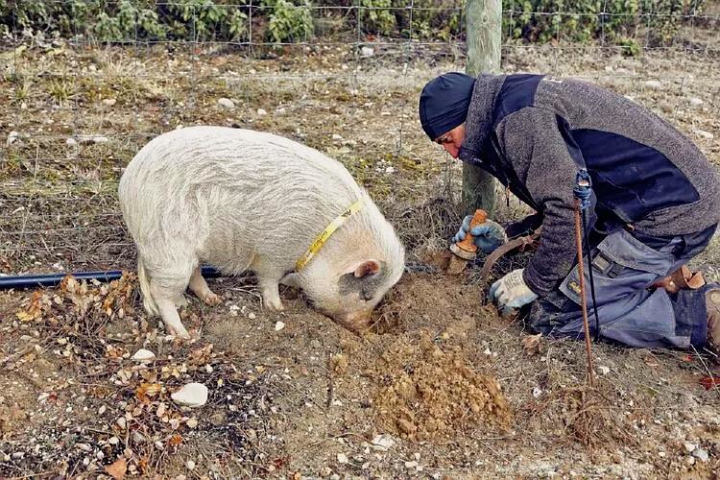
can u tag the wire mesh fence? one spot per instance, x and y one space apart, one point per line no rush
82 95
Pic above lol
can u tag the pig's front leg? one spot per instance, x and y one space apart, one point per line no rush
270 288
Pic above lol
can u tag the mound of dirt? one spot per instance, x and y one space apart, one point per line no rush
427 392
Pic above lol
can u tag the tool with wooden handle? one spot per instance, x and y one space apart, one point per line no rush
465 250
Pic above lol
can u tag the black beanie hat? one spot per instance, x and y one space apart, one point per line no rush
444 103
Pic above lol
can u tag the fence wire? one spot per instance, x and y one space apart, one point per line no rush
75 110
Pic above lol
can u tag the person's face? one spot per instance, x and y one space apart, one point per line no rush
452 140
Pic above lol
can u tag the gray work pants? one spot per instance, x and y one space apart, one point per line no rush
624 267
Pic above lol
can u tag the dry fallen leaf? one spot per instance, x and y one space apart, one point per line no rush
175 440
118 469
147 390
532 344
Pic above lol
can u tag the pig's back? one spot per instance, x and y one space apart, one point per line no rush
224 188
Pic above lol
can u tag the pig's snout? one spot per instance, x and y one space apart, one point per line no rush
356 321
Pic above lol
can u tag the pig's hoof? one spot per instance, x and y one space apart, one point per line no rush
274 306
180 333
212 299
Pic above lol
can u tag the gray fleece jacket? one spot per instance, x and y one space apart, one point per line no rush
533 134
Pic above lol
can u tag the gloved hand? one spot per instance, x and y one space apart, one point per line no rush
510 292
488 236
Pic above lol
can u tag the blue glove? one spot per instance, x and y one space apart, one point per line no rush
488 236
510 292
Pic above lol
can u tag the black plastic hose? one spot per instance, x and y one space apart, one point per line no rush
53 279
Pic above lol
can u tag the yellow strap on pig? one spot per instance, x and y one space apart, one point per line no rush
326 234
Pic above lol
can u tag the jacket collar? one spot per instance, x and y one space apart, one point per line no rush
479 121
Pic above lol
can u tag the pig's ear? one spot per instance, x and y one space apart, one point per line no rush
368 267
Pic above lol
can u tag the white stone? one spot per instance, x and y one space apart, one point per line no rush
142 355
262 112
654 84
383 443
71 141
279 326
342 458
704 134
192 422
701 454
12 137
226 103
367 52
696 102
280 111
412 464
603 369
689 446
537 391
191 395
122 423
190 465
336 137
251 316
110 101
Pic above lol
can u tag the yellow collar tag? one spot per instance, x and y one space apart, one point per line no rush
326 234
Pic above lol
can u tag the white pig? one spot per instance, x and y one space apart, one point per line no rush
245 200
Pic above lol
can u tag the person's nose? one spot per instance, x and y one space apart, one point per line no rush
452 149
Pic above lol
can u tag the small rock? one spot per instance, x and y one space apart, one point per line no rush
192 422
12 137
335 136
367 52
261 112
100 139
383 443
110 101
704 134
342 458
654 84
279 326
701 454
190 465
689 446
18 455
122 423
208 368
114 440
537 391
143 354
71 141
191 395
696 102
251 316
410 465
226 103
603 369
390 170
138 438
280 111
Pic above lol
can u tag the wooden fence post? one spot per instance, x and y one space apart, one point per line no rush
484 40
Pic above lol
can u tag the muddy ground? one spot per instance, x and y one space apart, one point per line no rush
443 389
